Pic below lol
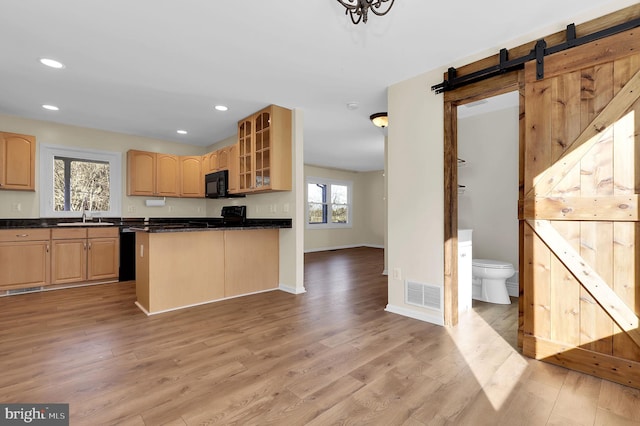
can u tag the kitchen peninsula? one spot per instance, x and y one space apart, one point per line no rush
182 265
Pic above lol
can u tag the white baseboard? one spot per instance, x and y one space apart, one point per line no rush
421 316
344 247
291 290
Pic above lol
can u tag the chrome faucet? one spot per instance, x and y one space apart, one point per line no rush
84 211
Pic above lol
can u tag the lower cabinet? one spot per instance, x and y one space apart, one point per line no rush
180 269
84 254
24 258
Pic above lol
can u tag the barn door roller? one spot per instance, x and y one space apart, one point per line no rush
537 53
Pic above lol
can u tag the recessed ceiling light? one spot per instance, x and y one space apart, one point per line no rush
50 107
221 107
51 63
181 132
352 106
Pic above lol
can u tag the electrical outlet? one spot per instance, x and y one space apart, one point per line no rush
131 209
397 274
199 209
273 208
170 209
285 208
16 207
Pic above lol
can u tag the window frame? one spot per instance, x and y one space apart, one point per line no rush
49 152
327 181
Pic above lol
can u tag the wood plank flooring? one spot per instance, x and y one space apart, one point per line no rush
330 356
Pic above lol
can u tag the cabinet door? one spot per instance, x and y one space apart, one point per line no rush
245 155
192 183
209 163
102 258
233 169
69 261
262 151
167 175
17 161
223 158
24 264
141 173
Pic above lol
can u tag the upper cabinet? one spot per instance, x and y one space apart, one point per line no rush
153 174
210 162
17 161
264 151
191 182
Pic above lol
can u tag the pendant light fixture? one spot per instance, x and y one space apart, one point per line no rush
358 9
379 119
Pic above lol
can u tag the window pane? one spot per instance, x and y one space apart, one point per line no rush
90 182
317 213
316 193
339 214
58 186
339 194
87 182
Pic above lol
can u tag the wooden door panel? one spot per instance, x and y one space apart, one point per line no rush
581 239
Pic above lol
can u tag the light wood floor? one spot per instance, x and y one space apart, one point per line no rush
330 356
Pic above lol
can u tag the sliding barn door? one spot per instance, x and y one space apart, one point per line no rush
581 251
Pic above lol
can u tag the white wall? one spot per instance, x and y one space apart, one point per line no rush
489 144
415 191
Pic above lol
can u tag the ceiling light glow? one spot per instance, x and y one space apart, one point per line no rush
181 132
221 108
51 63
50 107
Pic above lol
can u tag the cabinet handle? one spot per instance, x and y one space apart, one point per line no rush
89 246
47 248
22 235
85 246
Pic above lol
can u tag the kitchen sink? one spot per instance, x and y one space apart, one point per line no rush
86 224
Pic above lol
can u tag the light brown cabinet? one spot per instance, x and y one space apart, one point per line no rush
153 174
209 162
264 151
84 254
24 258
191 178
17 161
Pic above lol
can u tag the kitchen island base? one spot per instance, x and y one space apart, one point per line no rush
176 270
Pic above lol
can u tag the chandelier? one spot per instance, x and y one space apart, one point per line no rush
358 9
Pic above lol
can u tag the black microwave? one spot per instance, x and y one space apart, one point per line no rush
216 184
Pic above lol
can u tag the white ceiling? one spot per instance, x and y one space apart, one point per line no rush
150 67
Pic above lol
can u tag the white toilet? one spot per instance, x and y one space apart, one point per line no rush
490 280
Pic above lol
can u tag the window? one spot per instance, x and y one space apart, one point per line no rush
73 178
328 203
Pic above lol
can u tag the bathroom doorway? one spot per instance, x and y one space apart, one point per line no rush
488 159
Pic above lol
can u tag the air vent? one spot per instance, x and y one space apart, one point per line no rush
425 295
24 290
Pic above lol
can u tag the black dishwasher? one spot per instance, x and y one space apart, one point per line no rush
127 254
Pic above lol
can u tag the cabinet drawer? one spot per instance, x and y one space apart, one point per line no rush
107 232
24 234
68 234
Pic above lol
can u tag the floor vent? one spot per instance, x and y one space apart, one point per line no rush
24 290
425 295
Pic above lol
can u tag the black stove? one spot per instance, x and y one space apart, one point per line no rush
234 215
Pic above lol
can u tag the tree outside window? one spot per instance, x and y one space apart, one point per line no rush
81 183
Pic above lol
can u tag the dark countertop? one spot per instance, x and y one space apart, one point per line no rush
173 224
